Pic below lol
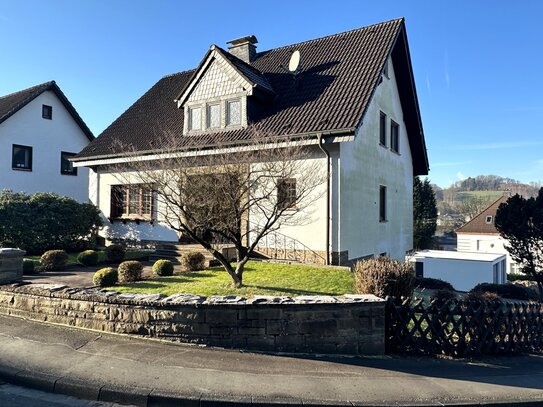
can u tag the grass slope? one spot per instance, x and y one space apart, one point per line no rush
259 278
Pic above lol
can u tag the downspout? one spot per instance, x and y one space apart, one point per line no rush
327 153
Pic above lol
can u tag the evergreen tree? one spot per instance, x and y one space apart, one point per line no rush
424 214
520 222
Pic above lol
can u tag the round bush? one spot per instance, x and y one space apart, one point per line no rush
130 271
442 296
53 260
433 284
28 266
487 296
510 291
105 277
384 277
193 261
88 258
115 253
163 268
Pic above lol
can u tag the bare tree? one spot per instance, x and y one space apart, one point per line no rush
234 194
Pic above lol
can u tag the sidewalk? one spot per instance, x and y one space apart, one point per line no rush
111 368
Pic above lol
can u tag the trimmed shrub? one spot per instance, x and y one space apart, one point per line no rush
105 277
519 277
88 258
45 221
482 296
115 253
163 268
130 271
193 261
384 277
443 296
433 284
53 260
510 291
28 266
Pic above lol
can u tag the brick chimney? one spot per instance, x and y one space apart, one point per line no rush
244 48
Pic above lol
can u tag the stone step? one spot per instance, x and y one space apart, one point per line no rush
209 261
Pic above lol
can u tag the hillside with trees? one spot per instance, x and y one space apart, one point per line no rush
465 199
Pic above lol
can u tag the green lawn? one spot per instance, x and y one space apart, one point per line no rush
259 278
72 257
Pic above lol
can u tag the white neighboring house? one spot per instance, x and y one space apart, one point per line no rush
480 235
40 131
463 270
352 101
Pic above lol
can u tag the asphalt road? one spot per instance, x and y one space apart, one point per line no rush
17 396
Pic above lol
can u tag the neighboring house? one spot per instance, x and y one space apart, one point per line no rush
355 91
40 131
463 270
480 235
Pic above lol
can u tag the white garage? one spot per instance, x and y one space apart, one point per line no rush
464 270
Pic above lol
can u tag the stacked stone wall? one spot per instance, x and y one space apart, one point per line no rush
352 325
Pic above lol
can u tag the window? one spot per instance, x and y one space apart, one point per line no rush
214 116
286 193
394 136
132 201
385 69
233 112
383 129
66 166
47 112
21 158
382 203
195 118
488 220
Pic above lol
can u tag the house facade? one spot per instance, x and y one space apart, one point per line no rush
352 103
40 131
480 235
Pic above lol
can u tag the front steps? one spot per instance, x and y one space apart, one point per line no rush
174 252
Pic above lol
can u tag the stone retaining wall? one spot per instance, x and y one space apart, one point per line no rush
351 324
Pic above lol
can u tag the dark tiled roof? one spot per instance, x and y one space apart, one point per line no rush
12 103
478 224
251 73
339 75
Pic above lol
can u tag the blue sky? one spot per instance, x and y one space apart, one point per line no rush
477 64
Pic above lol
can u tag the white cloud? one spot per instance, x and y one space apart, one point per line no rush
460 176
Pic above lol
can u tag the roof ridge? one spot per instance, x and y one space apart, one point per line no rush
49 83
178 73
333 35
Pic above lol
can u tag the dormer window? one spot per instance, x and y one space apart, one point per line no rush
233 113
214 116
195 118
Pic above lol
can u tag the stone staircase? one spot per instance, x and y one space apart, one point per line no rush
174 252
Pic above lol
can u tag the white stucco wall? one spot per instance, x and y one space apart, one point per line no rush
480 243
364 165
47 139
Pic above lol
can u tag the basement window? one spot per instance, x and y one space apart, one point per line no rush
488 220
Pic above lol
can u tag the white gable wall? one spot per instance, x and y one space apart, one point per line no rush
47 139
364 166
486 243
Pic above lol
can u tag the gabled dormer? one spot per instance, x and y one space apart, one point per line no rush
217 96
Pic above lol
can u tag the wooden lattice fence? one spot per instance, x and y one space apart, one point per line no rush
463 328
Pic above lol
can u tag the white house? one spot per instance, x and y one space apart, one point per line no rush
353 102
40 131
462 269
481 236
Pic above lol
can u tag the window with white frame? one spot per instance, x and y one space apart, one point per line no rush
195 118
135 201
214 116
233 112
